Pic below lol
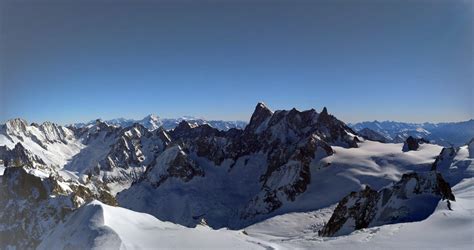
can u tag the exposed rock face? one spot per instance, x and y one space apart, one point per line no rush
260 115
372 135
134 149
288 142
273 156
19 156
412 143
31 206
455 163
204 140
100 129
413 198
185 130
23 204
291 140
43 134
444 158
173 163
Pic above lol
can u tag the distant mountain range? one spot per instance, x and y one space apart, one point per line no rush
446 134
81 186
152 122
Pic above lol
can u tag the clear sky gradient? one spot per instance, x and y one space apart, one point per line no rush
69 61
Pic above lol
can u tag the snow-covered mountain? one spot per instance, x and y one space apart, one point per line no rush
259 170
101 226
152 122
273 184
446 134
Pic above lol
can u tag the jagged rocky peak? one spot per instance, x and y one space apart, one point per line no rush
291 140
413 198
185 130
444 159
163 135
101 124
293 124
455 163
19 156
288 144
172 163
151 122
153 117
16 125
43 134
99 129
259 116
184 125
134 149
324 112
55 133
324 116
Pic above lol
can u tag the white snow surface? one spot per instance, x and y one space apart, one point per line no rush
220 194
444 229
99 226
54 144
350 169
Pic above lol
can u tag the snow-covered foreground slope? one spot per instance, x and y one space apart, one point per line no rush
105 227
99 226
444 229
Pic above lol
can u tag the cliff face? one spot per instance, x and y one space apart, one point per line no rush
413 198
31 206
271 156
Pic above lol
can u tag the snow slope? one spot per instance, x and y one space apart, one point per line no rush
54 144
444 229
350 169
220 200
99 226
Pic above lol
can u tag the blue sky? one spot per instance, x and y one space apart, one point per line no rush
69 61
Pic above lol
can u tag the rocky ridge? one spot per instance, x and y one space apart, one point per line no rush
413 198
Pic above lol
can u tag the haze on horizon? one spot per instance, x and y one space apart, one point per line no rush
74 61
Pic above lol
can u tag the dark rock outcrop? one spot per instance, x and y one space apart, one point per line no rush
30 206
372 135
289 142
445 158
172 163
412 143
259 116
413 198
19 156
